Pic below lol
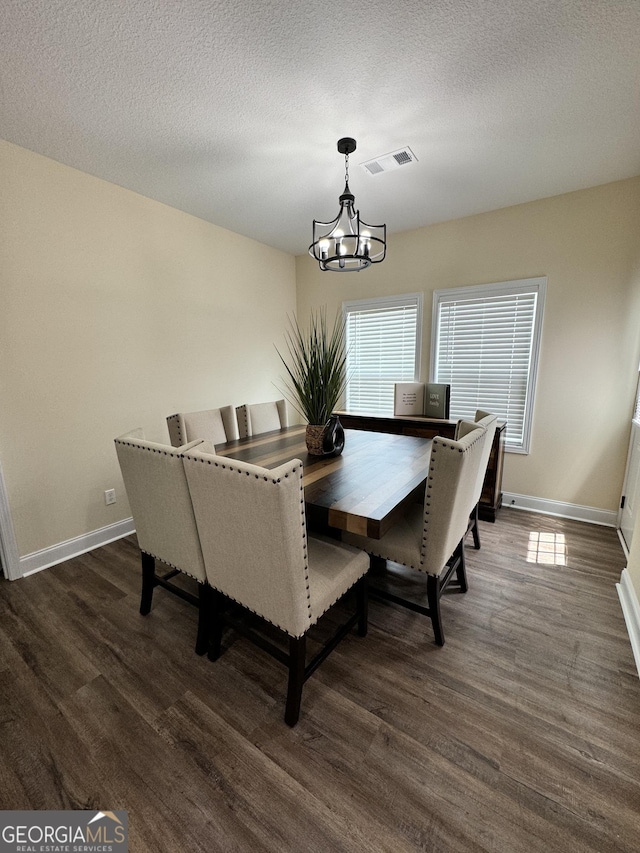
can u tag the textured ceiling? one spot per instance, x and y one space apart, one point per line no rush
231 109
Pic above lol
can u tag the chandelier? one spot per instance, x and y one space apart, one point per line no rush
347 244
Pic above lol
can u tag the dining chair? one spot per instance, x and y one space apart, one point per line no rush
257 553
430 537
488 422
215 425
262 417
160 503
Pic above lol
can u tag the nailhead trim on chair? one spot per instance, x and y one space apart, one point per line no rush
306 557
427 499
245 415
173 566
304 535
177 419
231 468
151 449
305 550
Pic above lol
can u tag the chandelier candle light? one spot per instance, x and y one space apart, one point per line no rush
346 244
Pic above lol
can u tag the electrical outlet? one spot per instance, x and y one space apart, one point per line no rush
110 496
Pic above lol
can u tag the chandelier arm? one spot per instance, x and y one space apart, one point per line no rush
331 247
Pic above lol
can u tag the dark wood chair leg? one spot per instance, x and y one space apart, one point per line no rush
433 597
148 582
461 571
362 599
377 563
204 618
475 532
297 660
216 623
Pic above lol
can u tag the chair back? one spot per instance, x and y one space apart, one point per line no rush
215 425
251 522
487 422
450 496
262 417
160 502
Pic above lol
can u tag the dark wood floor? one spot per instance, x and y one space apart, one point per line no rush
521 734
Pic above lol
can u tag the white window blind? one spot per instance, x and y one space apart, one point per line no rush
485 345
383 347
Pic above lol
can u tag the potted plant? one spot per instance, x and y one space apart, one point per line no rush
316 379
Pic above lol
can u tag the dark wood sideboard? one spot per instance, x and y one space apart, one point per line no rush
491 498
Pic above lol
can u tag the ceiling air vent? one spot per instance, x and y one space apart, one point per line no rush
390 161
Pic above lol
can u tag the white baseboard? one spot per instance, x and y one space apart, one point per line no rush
631 611
590 514
623 544
47 557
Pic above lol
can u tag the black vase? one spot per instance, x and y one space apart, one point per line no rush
333 437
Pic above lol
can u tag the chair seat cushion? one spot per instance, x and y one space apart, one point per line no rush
333 569
401 544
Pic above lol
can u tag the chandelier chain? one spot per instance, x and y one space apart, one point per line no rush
346 168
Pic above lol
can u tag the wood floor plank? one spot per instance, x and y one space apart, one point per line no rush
241 771
58 664
527 759
521 734
41 748
147 777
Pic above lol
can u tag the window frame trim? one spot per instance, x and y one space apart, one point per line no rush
397 301
501 288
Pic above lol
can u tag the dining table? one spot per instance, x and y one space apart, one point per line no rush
365 490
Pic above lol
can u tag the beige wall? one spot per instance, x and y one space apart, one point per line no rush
587 244
116 311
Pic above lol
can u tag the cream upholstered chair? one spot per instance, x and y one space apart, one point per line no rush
430 538
160 503
214 425
257 553
488 422
262 417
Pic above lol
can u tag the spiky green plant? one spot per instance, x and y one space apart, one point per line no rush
316 366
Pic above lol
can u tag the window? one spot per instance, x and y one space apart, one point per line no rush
383 347
485 342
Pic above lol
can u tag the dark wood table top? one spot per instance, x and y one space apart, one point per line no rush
365 490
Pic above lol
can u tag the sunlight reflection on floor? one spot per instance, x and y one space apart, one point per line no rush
548 549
